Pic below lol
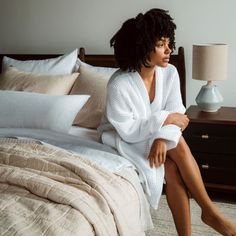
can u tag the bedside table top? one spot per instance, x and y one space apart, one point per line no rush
225 115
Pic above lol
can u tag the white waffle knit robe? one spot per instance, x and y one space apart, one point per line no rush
131 123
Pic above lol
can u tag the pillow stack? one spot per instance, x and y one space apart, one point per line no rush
57 87
28 101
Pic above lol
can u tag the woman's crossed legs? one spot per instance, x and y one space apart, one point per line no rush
182 176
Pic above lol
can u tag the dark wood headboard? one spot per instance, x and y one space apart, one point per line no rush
109 61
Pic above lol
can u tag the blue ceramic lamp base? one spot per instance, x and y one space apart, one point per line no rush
209 98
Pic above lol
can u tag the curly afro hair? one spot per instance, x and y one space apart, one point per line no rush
137 38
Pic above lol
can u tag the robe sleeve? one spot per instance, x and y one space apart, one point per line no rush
120 114
174 103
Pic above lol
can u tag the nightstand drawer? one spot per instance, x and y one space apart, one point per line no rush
212 129
215 161
217 168
211 138
218 176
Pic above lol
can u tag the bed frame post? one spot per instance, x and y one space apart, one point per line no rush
82 54
182 72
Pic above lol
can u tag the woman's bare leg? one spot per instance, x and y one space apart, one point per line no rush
176 193
191 176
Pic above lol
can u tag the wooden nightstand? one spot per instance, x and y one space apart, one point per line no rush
212 140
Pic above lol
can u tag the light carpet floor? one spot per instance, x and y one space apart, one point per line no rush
164 224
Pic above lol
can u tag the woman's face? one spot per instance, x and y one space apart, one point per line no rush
161 55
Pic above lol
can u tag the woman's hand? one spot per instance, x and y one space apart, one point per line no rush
178 119
157 155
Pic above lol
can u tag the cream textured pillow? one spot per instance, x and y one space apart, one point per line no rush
65 64
13 79
94 84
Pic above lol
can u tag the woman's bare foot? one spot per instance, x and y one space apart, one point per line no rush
219 223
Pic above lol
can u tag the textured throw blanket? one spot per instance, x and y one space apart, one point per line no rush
45 190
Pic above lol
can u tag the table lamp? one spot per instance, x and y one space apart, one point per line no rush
209 64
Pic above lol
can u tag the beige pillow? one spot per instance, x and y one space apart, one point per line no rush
94 84
13 79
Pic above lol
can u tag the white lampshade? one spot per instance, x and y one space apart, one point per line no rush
209 64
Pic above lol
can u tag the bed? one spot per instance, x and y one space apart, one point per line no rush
57 178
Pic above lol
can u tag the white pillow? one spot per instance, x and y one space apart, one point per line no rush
100 69
34 110
65 64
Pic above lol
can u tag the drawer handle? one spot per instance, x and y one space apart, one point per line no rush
204 136
205 166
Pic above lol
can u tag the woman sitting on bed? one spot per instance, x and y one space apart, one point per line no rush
144 119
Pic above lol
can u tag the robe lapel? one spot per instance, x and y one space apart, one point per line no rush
141 89
157 103
139 86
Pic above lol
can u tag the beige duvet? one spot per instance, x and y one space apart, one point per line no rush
45 190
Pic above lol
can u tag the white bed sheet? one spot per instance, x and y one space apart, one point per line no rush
90 134
87 148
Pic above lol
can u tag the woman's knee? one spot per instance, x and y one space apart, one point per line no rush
172 174
180 150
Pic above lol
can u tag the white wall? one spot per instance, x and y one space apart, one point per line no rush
58 26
